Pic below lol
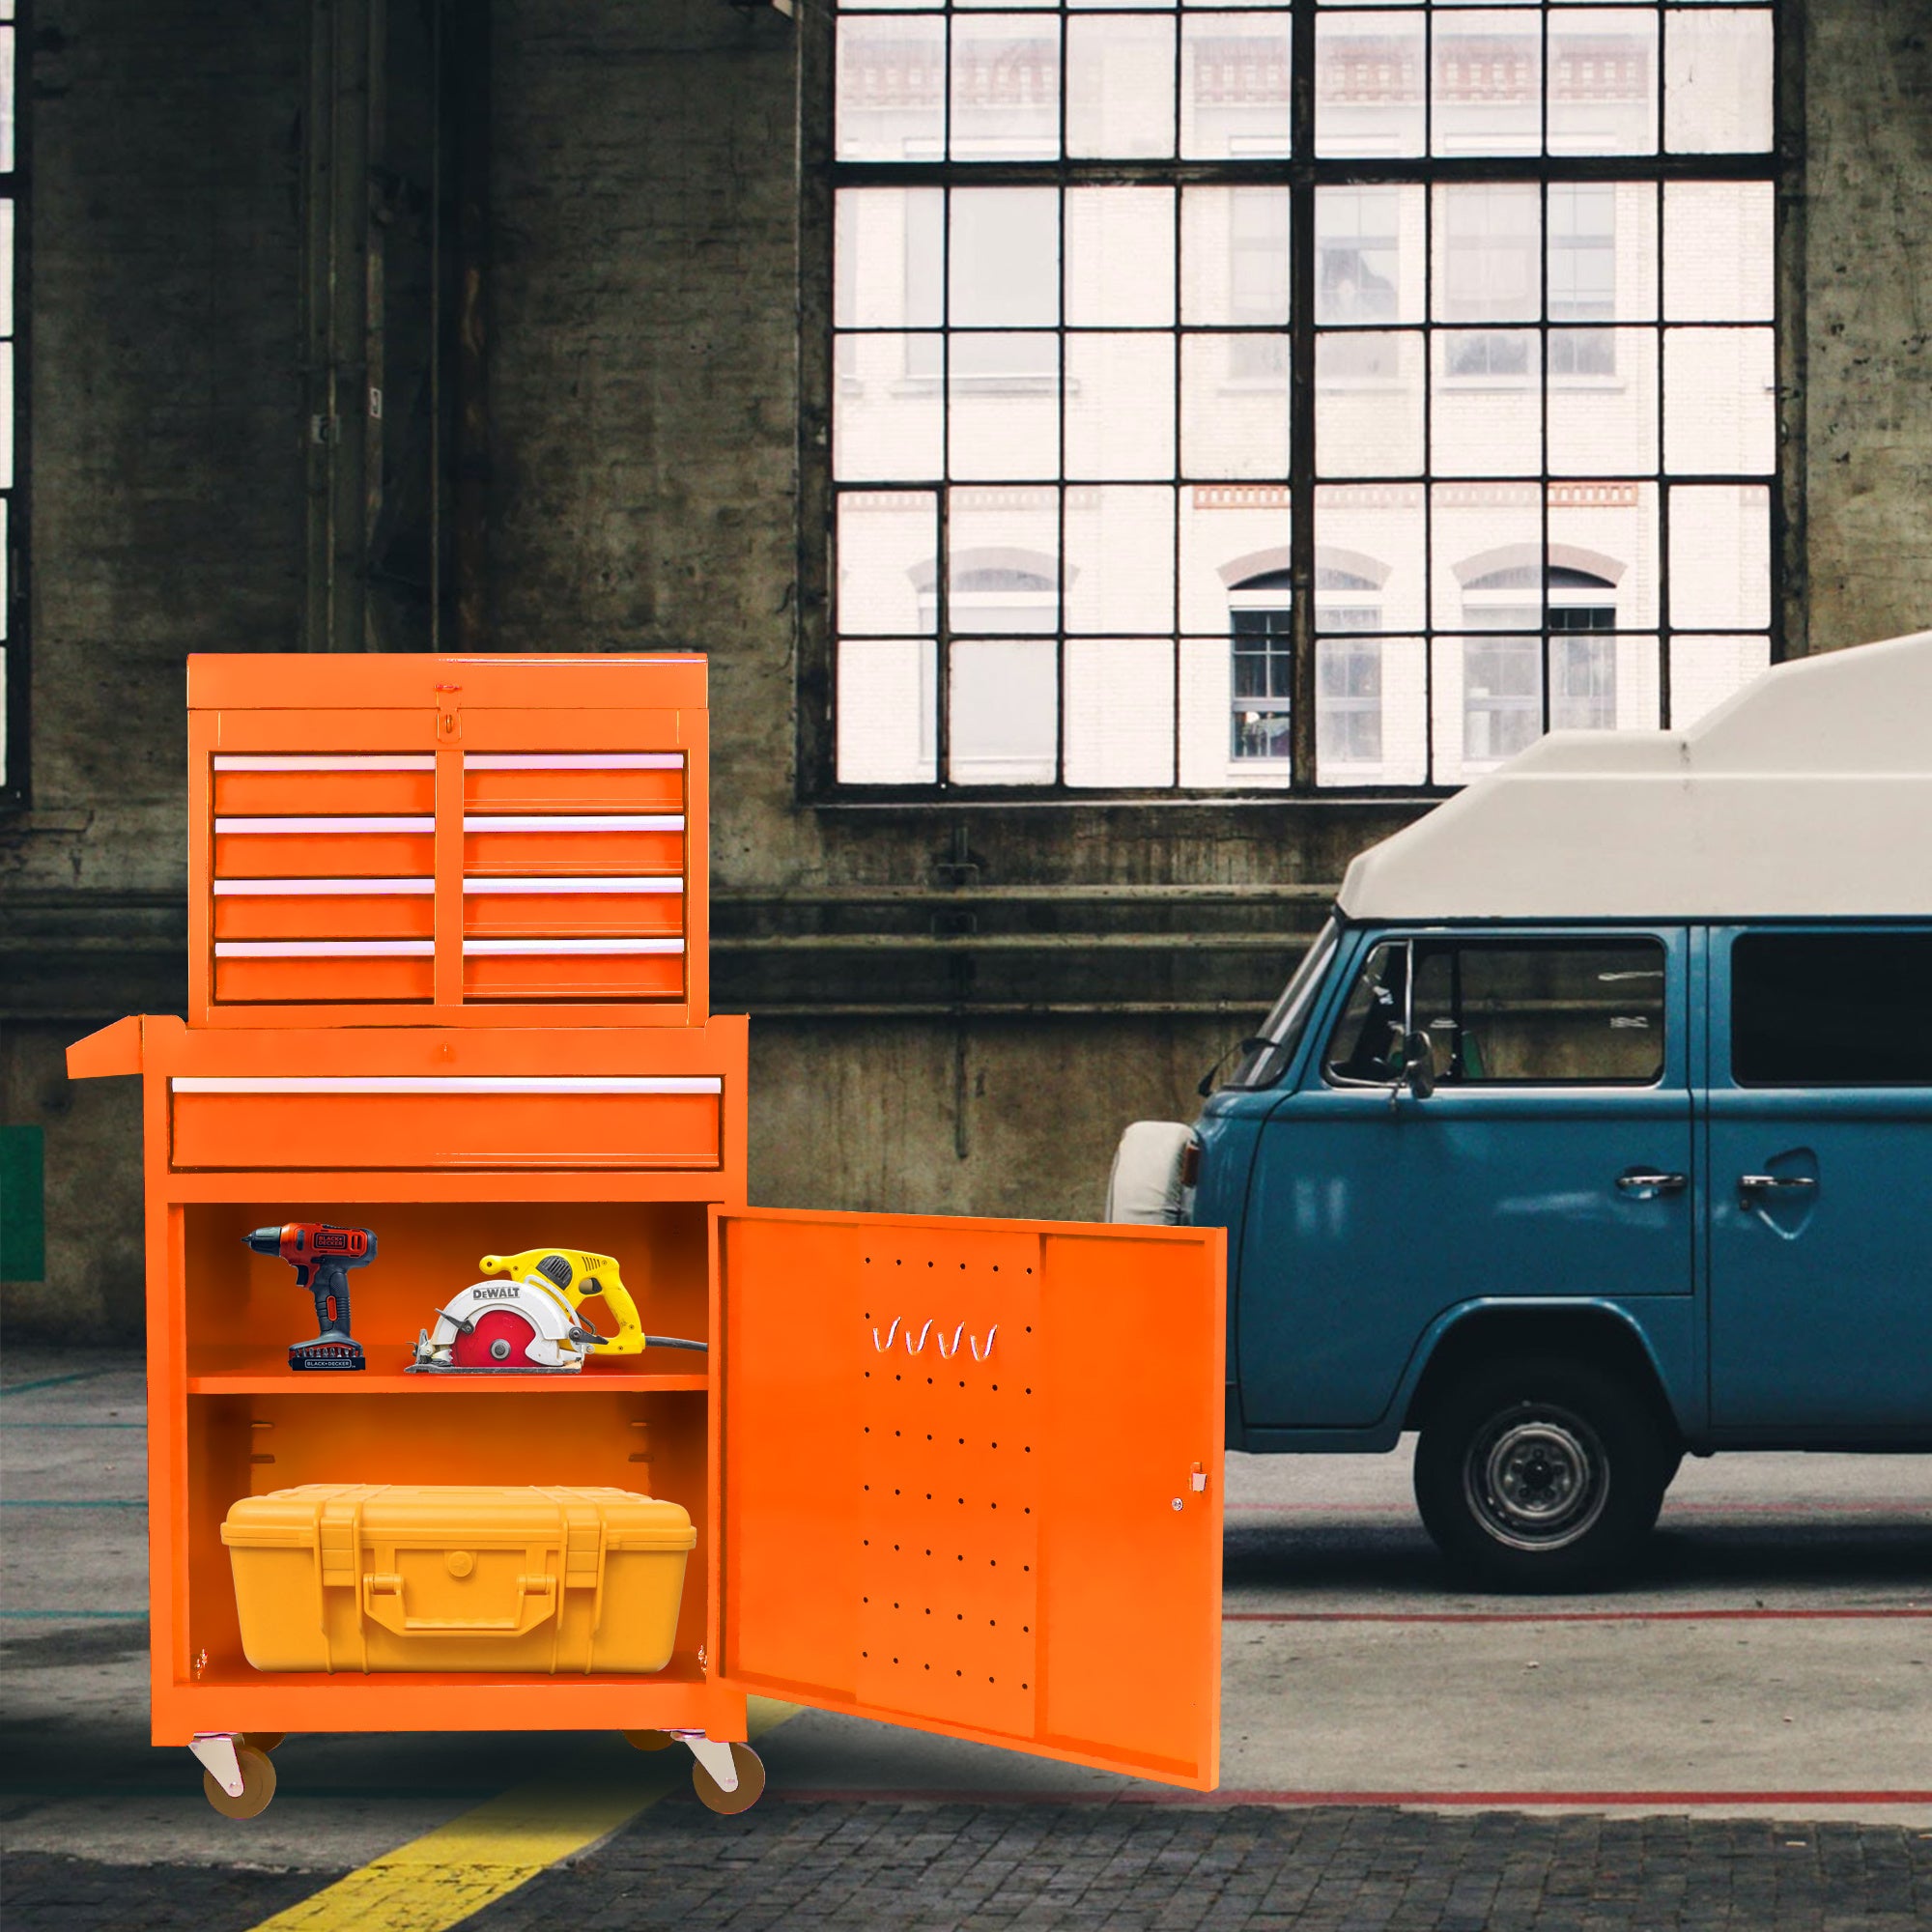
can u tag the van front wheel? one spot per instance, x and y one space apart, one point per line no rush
1540 1475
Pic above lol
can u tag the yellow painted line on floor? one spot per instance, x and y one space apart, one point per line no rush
437 1880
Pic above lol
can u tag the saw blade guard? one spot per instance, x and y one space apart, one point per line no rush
506 1325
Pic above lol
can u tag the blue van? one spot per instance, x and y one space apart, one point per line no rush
1596 1127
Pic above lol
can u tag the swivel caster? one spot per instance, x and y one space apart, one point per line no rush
727 1778
236 1773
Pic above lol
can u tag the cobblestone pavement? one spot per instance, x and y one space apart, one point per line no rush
1118 1867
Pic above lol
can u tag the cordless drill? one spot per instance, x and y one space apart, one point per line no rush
323 1256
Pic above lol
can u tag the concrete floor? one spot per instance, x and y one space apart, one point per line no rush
1745 1675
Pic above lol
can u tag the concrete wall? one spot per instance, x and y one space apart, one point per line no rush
955 1008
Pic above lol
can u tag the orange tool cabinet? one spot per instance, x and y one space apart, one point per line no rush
957 1474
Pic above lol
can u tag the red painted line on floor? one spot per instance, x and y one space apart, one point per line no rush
1796 1511
1511 1800
1570 1616
1490 1801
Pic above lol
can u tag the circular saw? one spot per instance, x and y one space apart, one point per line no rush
524 1325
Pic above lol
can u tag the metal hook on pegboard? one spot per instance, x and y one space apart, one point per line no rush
882 1347
974 1339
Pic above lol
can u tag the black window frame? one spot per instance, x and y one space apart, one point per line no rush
15 782
817 779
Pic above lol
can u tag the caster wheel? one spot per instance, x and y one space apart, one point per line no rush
648 1741
263 1740
258 1784
750 1770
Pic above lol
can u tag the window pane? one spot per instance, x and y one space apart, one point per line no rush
1486 413
1003 559
1231 533
6 267
1120 86
1234 422
1208 724
1368 403
1233 243
1366 1044
1233 84
1602 82
1718 251
1120 560
1603 554
887 711
891 89
1720 401
1006 87
1706 671
1003 713
1720 557
1717 81
1119 256
887 562
1003 266
1367 83
1002 406
1120 712
1120 405
888 243
1376 534
1486 543
1370 711
1831 1010
1514 1015
1369 254
1486 82
1488 253
886 419
1602 403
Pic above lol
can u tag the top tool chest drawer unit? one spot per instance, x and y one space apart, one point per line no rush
447 1001
406 841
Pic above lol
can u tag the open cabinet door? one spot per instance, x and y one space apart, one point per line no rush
971 1478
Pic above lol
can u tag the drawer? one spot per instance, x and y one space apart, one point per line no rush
593 782
324 908
538 908
246 785
334 1123
572 844
304 847
305 970
631 968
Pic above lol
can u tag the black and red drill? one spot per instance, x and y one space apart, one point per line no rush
323 1256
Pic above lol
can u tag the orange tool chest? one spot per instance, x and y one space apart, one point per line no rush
962 1475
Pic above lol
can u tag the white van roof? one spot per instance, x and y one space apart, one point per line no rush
1808 794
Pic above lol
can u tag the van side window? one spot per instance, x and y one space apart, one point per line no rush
1509 1012
1831 1009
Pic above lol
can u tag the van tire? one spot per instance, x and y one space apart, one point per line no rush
1540 1474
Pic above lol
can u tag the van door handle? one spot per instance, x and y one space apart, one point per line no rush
1647 1181
1751 1185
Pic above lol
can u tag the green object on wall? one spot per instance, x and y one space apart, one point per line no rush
23 1209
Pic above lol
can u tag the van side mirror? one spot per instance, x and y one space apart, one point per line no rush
1418 1064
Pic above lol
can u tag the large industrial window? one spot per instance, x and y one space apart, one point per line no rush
13 600
1293 396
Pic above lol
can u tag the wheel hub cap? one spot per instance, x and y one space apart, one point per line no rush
1538 1482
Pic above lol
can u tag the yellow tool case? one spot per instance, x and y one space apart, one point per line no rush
392 1577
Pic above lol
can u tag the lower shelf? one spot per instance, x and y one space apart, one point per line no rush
235 1698
244 1369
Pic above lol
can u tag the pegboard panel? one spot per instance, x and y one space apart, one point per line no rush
947 1406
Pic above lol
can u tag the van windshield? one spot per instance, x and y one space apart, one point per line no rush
1282 1030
